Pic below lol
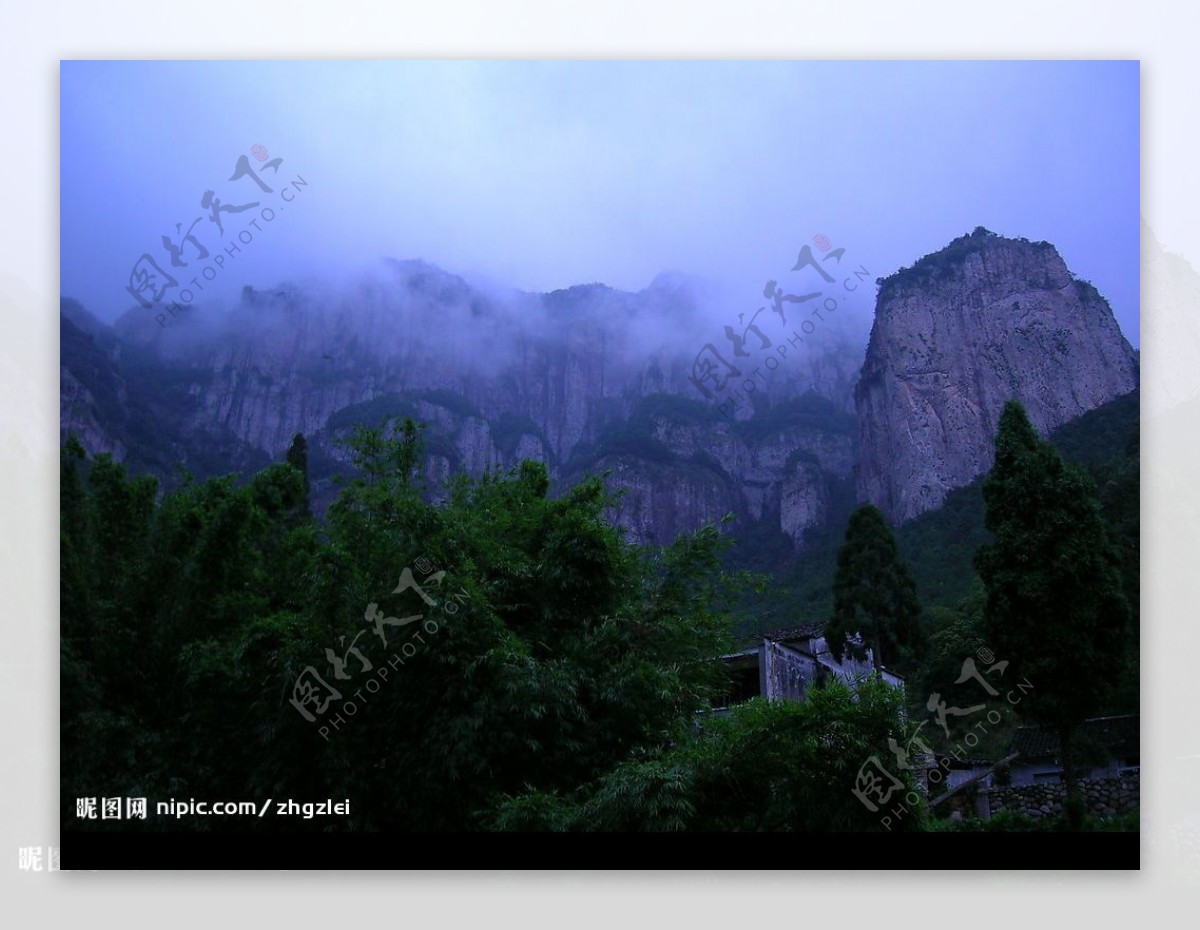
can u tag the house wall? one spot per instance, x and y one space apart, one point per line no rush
894 680
849 669
787 673
955 777
1028 774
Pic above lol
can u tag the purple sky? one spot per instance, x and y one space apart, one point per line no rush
546 174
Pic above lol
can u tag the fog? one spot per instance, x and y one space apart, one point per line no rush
540 176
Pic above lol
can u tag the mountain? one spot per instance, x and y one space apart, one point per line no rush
591 379
985 320
939 545
124 399
588 379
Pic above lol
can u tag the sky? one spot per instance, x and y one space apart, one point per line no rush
542 175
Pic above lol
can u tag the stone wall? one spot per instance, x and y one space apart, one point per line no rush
1105 796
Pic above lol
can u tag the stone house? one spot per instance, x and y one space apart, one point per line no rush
781 664
1106 747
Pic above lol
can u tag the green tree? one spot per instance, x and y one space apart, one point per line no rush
874 597
960 636
1055 602
768 766
187 622
297 457
570 650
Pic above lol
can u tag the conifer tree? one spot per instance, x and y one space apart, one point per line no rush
297 456
1055 605
874 597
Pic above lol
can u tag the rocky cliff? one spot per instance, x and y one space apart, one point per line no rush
588 379
985 320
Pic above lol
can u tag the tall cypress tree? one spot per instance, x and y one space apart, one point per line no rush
1055 604
874 595
297 456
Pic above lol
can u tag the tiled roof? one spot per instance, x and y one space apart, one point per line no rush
789 634
793 633
1113 733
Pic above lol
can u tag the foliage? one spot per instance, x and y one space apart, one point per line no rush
1055 605
628 442
373 412
449 400
874 598
808 413
639 436
508 429
960 635
187 623
563 694
297 457
942 264
778 766
149 407
1016 822
939 546
673 409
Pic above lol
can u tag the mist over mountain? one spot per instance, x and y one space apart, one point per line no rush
591 379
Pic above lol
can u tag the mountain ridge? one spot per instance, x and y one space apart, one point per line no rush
589 379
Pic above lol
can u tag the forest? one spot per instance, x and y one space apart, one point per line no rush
532 669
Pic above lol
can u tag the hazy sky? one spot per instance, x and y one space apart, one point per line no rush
547 174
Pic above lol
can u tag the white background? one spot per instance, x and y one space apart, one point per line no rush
36 36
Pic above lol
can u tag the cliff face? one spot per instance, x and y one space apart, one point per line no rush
588 379
678 465
985 320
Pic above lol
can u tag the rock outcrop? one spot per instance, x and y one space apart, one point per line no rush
590 380
587 379
983 321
